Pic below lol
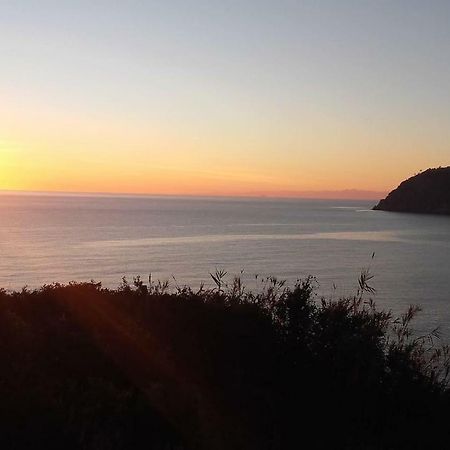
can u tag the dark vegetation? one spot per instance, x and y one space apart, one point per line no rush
140 367
427 192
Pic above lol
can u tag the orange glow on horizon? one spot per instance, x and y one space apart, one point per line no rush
69 152
78 173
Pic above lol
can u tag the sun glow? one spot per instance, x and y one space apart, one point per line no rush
9 176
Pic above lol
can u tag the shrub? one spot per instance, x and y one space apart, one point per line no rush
142 366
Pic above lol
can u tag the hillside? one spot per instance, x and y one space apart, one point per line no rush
428 192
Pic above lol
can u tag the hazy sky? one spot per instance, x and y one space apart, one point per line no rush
222 97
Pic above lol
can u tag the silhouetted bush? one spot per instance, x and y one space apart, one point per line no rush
141 366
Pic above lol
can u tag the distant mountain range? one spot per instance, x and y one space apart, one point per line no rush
344 194
428 193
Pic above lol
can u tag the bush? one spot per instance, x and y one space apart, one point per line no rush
141 366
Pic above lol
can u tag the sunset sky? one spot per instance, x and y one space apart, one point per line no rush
222 97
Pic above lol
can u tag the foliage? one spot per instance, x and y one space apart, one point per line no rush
144 366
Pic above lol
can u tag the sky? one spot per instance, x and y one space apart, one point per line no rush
277 98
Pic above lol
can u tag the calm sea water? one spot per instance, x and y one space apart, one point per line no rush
61 238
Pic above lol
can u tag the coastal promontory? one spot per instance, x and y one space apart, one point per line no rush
427 192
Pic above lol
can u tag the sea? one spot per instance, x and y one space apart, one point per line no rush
62 238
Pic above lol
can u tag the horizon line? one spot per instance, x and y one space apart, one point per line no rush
340 194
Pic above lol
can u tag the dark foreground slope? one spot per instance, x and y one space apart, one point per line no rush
139 368
427 192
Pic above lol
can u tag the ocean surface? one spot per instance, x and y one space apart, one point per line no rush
45 239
